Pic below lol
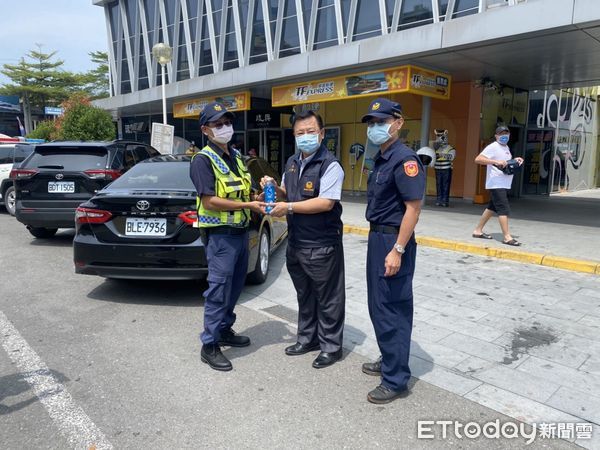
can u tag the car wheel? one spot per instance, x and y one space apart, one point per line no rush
42 232
10 201
261 270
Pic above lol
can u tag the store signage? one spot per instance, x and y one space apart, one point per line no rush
53 111
401 79
264 119
239 101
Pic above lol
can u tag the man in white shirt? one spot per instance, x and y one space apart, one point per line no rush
495 156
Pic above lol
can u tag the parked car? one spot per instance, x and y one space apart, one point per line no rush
57 177
143 225
11 155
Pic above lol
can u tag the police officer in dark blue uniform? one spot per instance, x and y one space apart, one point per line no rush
394 193
223 184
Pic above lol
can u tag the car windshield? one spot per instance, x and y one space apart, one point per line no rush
68 158
156 175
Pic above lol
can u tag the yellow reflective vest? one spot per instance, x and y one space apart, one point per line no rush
227 185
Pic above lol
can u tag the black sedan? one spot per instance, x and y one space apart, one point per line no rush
143 226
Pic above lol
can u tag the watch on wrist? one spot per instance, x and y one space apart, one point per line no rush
290 208
399 248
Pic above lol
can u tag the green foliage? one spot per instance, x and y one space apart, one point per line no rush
85 122
97 83
44 130
39 79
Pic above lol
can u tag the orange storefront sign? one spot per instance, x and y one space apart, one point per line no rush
239 101
395 80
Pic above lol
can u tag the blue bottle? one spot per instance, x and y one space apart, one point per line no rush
269 194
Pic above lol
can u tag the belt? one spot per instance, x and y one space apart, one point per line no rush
384 229
225 230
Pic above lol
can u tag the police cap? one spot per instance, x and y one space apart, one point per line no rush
382 108
214 111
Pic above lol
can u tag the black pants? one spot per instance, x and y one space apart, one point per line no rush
443 179
318 276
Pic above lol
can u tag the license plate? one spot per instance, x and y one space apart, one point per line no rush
145 227
61 187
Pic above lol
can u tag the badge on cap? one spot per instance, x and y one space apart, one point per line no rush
411 168
218 108
375 106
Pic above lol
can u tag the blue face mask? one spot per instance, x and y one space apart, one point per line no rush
504 139
308 143
379 133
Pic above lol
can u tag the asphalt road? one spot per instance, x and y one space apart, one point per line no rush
87 362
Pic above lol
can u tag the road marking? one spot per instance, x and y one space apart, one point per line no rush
72 421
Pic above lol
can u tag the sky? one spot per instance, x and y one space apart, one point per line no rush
71 27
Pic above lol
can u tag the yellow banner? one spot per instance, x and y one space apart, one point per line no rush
395 80
239 101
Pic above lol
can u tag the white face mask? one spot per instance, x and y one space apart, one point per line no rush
222 135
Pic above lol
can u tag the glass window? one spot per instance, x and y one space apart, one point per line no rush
22 151
230 59
206 62
142 69
345 15
156 175
415 13
389 12
69 158
115 20
131 8
243 6
306 10
170 9
192 8
290 37
326 30
6 154
258 44
150 6
465 8
368 23
443 5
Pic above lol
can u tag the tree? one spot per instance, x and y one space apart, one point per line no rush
39 81
82 121
97 79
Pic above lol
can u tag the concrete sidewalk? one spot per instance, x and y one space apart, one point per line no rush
562 225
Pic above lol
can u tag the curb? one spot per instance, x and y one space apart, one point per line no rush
557 262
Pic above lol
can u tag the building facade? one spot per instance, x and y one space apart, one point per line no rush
454 64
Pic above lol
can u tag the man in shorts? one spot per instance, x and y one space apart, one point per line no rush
495 156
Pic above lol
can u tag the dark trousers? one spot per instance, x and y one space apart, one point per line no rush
227 266
443 178
318 276
390 302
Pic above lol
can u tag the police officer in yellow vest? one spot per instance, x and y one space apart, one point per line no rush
223 185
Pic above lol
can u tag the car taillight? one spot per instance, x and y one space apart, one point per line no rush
22 174
103 174
89 215
189 217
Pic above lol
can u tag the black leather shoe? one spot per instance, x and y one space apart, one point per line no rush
382 394
301 349
229 338
326 359
373 368
211 355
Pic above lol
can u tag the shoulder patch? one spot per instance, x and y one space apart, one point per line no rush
411 168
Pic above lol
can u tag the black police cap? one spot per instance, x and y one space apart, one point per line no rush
214 111
382 108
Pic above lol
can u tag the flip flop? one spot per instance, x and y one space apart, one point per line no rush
512 242
482 236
